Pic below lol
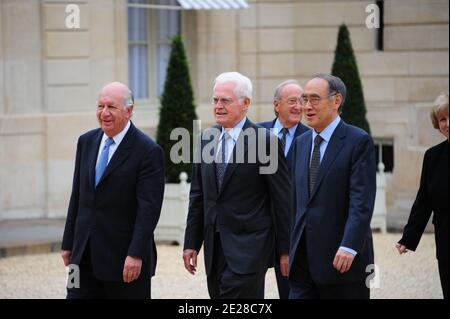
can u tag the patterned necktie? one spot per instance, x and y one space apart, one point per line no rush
221 163
315 163
103 160
284 132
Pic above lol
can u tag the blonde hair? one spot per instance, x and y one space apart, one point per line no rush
440 105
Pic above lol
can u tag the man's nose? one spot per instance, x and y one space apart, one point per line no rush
105 112
297 106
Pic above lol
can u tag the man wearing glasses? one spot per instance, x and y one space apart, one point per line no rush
334 181
230 199
287 126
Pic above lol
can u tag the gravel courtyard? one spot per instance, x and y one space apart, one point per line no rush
411 276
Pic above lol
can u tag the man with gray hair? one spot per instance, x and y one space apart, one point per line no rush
287 126
117 193
334 181
230 200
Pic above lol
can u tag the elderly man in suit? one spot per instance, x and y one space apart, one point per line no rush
334 184
288 112
287 126
229 210
116 200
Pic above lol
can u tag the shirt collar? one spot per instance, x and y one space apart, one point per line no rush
277 127
235 131
119 137
328 131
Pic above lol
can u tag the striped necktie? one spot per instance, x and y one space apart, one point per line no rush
315 163
221 163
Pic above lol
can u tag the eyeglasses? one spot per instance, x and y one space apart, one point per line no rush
222 101
314 99
293 102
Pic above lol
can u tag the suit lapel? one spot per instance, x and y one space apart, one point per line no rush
122 152
302 173
211 167
304 163
331 153
298 132
92 156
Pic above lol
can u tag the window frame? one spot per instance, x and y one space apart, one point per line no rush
379 142
152 43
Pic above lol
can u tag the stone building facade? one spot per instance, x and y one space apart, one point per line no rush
50 76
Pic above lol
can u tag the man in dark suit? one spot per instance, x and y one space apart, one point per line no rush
116 200
229 210
287 126
334 184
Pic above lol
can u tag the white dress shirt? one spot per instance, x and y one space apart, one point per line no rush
117 140
231 142
277 127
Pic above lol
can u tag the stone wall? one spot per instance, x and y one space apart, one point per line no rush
50 76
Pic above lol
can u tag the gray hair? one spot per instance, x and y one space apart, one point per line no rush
440 106
279 91
281 86
243 88
335 85
128 99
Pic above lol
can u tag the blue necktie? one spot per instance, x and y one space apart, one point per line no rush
103 160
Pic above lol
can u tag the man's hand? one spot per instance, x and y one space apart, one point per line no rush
284 265
190 260
343 261
65 254
401 248
131 269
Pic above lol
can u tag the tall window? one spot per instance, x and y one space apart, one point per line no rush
149 34
384 152
138 51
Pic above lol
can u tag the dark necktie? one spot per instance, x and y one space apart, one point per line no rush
315 163
221 163
284 132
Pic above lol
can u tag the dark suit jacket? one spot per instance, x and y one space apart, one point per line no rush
241 208
340 207
431 197
119 216
299 131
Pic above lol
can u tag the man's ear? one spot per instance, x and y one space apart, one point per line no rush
246 103
276 105
129 110
337 101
